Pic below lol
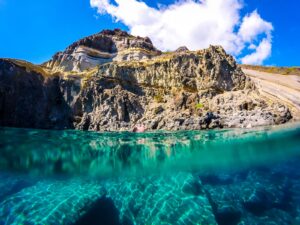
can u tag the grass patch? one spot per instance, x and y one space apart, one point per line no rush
274 69
199 106
159 98
30 67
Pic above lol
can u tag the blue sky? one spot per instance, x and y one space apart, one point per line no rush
34 30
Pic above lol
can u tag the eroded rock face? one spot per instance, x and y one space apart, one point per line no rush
182 49
171 91
104 47
207 69
31 99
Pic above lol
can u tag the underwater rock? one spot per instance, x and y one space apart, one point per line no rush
228 215
160 200
173 198
116 201
49 202
262 197
216 179
258 202
10 186
192 186
102 211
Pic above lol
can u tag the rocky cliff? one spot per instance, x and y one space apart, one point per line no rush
113 81
104 47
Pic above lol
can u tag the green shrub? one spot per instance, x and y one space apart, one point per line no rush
159 98
199 106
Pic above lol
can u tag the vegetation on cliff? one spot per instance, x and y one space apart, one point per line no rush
178 90
274 69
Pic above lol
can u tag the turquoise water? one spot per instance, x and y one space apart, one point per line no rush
238 176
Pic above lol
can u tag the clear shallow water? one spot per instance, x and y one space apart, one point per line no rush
192 177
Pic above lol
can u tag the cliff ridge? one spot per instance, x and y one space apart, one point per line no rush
113 81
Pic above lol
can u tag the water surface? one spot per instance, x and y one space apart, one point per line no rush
237 176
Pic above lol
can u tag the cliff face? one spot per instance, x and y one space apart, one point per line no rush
104 47
128 82
29 98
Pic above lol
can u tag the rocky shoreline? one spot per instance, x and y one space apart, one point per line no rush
112 81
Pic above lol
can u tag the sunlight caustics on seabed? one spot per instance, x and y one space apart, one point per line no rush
217 177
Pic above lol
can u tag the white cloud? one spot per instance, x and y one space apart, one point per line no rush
193 23
252 26
262 51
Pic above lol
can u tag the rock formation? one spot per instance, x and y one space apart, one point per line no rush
104 47
113 81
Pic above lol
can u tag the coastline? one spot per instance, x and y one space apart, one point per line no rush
285 88
135 84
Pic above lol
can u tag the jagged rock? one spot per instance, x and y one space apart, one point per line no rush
202 89
182 49
28 98
97 49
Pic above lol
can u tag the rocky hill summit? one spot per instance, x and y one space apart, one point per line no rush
103 47
113 81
